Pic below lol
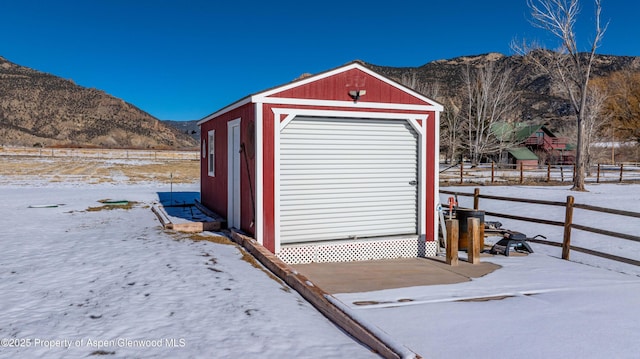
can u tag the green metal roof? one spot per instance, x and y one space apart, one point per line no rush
526 131
503 131
522 153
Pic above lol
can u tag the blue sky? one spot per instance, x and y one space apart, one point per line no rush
183 59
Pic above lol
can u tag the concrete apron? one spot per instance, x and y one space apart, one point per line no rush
340 314
367 276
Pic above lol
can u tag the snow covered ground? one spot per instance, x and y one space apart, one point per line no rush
76 282
535 306
616 196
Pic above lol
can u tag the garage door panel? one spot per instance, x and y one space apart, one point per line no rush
340 188
347 199
353 232
322 214
345 171
356 204
340 224
328 209
330 178
345 178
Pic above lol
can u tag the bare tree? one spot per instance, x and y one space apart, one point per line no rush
488 101
568 66
449 130
449 119
594 120
429 89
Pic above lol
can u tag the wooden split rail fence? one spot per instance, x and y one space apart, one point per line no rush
567 223
521 173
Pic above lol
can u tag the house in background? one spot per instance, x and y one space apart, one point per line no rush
549 148
533 145
522 156
336 166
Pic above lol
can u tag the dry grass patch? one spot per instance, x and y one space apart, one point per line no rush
211 238
110 205
98 170
246 256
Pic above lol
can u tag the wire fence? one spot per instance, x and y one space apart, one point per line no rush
100 153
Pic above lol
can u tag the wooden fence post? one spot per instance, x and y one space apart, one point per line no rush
598 176
561 173
473 233
452 241
461 172
548 172
621 170
568 221
493 164
521 173
476 198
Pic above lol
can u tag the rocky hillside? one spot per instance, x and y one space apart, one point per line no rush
44 110
39 109
190 128
540 100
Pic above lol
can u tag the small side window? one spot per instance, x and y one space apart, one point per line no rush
212 153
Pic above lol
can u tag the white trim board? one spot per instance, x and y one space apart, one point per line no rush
292 113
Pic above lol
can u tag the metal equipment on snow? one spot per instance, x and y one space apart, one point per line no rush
512 240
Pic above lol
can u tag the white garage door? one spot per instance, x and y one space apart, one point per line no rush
347 178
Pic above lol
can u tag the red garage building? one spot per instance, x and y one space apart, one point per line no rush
336 166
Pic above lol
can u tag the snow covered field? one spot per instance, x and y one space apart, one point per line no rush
76 282
615 196
536 306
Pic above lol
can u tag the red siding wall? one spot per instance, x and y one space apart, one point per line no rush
332 88
337 88
213 190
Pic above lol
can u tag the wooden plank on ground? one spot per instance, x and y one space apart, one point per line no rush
187 227
316 296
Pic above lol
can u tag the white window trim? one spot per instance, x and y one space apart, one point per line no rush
211 153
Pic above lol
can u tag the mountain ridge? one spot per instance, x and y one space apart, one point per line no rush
540 99
41 109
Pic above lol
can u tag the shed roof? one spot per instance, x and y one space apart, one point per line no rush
522 153
275 94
